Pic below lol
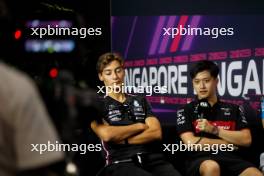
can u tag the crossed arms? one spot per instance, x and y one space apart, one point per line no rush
138 133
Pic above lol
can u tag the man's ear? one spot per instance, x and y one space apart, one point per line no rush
100 76
217 80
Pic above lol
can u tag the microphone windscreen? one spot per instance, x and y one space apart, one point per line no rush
203 106
203 103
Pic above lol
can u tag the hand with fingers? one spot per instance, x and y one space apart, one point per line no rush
204 125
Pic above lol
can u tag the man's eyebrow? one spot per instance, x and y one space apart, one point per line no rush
118 67
107 70
113 69
202 78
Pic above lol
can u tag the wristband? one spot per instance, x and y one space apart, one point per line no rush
215 131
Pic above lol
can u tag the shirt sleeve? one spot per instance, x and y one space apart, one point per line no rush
98 110
148 108
184 120
241 120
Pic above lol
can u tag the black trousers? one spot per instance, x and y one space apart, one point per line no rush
156 167
229 162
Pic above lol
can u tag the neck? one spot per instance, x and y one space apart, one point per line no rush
212 100
118 96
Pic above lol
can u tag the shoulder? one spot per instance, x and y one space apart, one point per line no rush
188 108
233 108
106 99
107 103
191 105
16 83
14 76
102 98
228 106
100 101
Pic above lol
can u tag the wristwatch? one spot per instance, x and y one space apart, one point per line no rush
215 131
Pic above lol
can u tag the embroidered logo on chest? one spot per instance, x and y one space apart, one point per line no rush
227 111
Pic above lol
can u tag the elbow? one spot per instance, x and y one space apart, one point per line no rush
105 136
158 135
101 132
247 140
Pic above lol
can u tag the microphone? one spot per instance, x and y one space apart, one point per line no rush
203 108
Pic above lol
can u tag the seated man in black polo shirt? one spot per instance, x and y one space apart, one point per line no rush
215 129
128 129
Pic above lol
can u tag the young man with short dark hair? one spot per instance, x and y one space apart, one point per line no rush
207 121
128 129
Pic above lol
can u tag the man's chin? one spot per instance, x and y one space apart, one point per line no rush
118 89
202 97
117 86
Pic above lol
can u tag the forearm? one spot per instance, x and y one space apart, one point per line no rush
204 140
200 143
145 137
117 133
120 133
240 138
151 134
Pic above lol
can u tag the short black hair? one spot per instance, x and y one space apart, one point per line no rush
204 65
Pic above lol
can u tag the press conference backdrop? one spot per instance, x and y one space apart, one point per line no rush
159 51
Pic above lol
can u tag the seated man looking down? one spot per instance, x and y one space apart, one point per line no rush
128 129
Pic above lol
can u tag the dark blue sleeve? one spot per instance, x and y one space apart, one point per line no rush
184 120
148 108
241 121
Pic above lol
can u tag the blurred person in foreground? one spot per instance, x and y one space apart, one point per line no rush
24 121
